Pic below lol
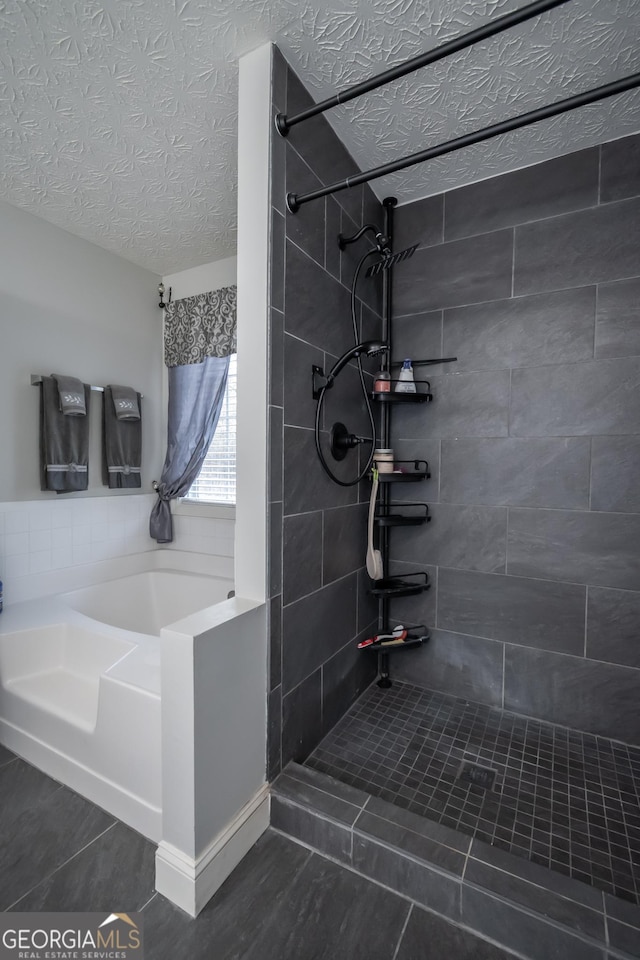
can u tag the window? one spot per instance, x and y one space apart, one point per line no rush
216 482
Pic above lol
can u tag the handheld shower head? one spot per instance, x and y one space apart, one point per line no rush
390 259
369 347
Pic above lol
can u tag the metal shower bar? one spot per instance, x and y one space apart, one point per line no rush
284 123
295 201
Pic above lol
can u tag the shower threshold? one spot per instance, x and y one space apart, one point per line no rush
526 832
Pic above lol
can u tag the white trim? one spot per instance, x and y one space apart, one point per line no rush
184 507
190 883
254 133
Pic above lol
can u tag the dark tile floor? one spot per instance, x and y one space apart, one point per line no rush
58 852
56 848
564 799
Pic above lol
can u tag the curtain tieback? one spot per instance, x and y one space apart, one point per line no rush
163 496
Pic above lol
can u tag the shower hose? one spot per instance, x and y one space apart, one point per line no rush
365 394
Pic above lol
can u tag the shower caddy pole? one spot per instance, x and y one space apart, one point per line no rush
385 439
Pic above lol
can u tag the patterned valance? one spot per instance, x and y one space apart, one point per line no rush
199 327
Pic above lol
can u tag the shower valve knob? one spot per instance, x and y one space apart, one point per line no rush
342 441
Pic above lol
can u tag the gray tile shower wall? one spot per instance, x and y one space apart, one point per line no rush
532 280
318 600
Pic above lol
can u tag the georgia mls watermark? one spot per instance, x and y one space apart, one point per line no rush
71 936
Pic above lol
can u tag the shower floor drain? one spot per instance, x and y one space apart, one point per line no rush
479 776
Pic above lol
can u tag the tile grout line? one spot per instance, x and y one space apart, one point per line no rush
506 544
435 612
305 253
153 896
586 618
521 296
324 586
68 860
606 920
322 581
572 933
403 931
280 738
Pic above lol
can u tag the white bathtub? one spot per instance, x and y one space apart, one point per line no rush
147 602
80 679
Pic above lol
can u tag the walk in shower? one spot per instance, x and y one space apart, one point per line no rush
508 742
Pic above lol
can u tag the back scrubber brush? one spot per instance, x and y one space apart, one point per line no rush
375 567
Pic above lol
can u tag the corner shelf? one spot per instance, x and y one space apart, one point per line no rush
400 586
422 394
395 513
420 472
403 519
417 635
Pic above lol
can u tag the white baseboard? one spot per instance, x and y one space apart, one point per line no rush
190 883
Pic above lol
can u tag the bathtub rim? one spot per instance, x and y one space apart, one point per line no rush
65 579
77 596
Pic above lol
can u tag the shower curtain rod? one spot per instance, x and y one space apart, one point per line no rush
284 123
295 201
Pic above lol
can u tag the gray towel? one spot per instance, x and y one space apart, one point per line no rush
64 442
125 402
71 396
122 445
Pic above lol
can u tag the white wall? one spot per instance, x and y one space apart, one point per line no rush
208 276
41 539
68 306
214 676
214 796
254 155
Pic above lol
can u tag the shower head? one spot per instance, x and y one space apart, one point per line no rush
390 259
370 347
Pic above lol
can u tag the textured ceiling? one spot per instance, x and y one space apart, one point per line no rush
118 118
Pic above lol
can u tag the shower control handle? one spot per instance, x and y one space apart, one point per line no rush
342 441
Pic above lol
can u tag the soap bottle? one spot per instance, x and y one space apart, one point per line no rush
405 383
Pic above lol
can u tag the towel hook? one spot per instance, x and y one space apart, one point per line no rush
161 289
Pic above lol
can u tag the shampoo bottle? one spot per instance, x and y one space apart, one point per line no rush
406 382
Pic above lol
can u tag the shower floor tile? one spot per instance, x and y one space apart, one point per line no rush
564 799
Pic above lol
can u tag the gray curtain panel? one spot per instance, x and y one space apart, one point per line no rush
196 392
199 337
